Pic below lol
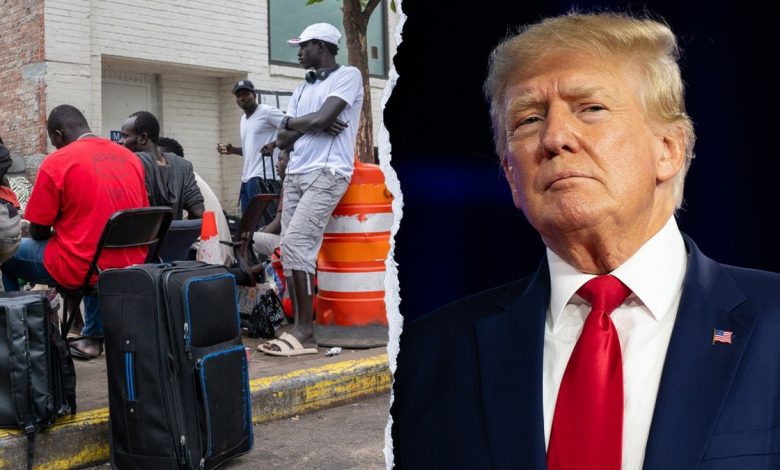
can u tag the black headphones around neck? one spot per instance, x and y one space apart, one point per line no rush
312 76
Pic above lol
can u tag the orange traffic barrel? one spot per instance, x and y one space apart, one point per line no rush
351 263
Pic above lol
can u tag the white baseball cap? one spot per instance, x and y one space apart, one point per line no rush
322 31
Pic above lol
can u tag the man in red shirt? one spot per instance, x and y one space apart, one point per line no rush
77 189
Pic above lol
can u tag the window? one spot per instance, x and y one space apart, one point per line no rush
287 18
277 99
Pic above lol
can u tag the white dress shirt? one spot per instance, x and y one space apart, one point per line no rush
644 325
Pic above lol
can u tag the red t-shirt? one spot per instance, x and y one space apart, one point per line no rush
77 189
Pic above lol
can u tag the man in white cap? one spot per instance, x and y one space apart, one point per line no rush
319 130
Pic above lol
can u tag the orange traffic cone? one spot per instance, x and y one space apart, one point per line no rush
208 249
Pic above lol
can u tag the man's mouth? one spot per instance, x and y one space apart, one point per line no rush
565 176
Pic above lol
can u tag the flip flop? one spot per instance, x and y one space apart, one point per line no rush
288 346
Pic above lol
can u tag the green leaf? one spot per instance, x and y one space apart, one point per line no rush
312 2
392 6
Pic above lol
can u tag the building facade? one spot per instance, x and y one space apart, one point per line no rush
175 58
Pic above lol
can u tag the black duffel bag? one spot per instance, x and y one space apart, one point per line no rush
37 378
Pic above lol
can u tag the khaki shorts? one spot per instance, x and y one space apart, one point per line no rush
265 243
309 200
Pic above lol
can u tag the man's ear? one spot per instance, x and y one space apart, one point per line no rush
142 138
673 149
56 137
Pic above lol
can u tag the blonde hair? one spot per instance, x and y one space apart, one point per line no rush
648 43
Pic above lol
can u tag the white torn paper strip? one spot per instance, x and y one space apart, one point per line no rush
392 292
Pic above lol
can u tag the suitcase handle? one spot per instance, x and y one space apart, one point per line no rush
273 170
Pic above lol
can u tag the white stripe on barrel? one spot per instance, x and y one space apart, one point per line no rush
368 223
351 282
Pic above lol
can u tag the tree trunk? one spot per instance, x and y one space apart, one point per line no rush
356 27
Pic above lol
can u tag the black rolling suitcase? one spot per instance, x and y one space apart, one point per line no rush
178 384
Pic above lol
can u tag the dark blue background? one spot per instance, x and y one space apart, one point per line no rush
460 232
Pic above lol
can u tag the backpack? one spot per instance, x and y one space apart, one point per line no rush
10 229
266 316
37 377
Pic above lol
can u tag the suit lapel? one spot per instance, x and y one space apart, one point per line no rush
697 373
510 347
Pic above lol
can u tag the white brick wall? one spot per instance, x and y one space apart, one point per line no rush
215 34
70 83
68 30
190 114
198 47
229 116
69 73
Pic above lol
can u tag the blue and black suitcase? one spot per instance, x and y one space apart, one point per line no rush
178 383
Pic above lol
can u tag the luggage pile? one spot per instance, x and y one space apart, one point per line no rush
178 376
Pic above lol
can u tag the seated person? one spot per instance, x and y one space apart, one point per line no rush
269 237
10 221
78 188
170 180
210 201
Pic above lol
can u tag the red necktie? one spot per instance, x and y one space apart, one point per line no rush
587 429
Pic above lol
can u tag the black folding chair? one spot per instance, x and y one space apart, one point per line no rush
242 244
126 228
179 238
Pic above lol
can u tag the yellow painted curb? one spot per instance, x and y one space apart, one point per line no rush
82 439
307 390
75 440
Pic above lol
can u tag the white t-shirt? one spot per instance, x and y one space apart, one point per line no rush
257 130
316 150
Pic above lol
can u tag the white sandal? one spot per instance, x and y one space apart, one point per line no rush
288 346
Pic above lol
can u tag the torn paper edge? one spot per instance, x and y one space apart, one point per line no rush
392 290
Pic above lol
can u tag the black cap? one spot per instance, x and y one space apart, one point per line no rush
244 85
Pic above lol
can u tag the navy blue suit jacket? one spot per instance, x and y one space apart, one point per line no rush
468 387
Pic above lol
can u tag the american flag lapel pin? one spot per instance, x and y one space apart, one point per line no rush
722 336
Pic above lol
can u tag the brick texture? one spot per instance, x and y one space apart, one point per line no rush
22 84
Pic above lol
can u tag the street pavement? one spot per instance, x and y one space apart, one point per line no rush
348 437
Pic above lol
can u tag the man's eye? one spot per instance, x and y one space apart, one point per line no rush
594 108
528 120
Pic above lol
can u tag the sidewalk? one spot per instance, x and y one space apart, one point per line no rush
281 387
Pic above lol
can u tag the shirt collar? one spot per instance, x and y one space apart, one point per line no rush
654 274
87 135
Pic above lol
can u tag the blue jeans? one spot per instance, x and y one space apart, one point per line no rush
249 190
27 264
